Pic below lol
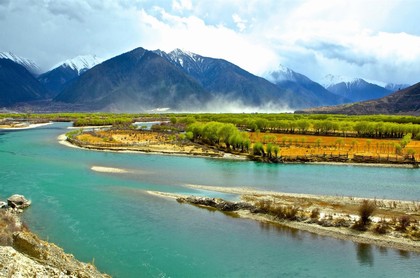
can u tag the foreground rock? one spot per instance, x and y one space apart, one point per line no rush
23 254
42 258
18 202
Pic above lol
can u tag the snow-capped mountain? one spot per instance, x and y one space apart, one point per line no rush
302 86
189 62
283 73
30 65
66 71
396 87
354 89
80 63
331 80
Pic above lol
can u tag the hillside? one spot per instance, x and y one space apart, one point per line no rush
134 81
310 92
406 101
60 75
17 84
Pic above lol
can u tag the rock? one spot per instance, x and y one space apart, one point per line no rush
52 257
18 202
217 203
3 204
15 264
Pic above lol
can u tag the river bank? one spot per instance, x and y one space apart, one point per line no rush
23 254
21 126
159 148
330 216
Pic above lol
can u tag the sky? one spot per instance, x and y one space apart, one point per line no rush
371 39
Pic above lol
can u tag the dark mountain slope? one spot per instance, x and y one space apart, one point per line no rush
55 80
17 84
229 82
136 80
406 101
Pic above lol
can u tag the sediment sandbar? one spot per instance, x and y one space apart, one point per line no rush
108 169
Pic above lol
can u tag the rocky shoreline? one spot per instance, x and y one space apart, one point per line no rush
23 254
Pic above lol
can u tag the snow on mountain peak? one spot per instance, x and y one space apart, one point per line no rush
81 63
330 80
28 64
282 73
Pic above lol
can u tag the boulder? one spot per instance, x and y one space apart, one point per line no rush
3 204
18 202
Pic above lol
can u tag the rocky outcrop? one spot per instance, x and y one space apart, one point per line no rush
23 254
216 203
15 264
52 257
18 202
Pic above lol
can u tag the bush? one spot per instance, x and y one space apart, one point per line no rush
366 210
403 223
381 228
315 213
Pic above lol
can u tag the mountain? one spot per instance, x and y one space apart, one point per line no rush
303 87
396 87
17 84
55 79
405 101
134 81
30 65
228 83
354 89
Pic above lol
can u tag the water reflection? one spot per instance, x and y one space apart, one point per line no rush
293 233
364 254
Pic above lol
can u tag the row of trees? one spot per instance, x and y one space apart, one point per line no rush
218 134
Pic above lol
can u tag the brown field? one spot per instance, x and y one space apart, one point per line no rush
300 145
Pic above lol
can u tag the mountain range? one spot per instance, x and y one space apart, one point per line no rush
142 80
60 75
406 102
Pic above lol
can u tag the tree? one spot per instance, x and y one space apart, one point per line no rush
276 150
258 149
406 140
269 149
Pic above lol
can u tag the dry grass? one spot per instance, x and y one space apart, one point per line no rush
300 145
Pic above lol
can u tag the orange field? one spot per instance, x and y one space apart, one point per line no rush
298 145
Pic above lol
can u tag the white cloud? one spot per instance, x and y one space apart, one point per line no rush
181 5
240 23
168 32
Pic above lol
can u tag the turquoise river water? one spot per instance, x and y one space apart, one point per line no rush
109 219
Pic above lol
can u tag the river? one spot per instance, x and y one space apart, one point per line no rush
110 220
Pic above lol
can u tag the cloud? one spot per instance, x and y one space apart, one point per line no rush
240 23
167 32
181 5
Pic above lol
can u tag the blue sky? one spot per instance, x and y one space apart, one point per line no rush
373 39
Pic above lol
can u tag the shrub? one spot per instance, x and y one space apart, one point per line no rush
366 210
403 223
315 213
381 228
